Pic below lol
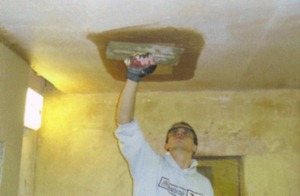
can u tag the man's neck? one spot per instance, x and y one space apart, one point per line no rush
183 159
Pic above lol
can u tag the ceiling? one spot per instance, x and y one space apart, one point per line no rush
229 45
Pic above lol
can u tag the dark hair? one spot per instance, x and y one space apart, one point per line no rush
185 124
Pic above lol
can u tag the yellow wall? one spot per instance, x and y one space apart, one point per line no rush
14 74
78 154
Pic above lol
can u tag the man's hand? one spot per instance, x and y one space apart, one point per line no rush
140 66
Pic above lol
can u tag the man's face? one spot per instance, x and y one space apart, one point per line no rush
181 137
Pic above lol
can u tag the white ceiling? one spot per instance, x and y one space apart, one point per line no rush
247 44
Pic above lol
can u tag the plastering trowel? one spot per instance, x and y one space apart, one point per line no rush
164 54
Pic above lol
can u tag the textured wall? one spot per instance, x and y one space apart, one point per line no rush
14 74
78 154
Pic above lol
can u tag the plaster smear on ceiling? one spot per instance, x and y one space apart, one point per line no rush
192 43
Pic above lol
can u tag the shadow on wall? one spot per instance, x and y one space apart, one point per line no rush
11 42
190 40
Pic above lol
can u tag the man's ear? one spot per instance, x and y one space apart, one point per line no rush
195 148
166 147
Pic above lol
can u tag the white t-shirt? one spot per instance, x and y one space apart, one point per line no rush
156 175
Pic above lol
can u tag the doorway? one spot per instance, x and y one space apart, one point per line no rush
224 173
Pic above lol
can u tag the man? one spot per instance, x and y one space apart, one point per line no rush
154 175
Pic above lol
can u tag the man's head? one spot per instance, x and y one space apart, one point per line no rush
188 129
181 137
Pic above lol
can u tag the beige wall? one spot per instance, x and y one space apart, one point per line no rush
78 154
14 74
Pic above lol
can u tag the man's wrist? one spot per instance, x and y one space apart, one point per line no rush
133 77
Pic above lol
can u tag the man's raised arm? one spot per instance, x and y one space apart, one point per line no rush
127 102
139 67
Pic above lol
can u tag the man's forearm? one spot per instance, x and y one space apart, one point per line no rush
139 67
126 105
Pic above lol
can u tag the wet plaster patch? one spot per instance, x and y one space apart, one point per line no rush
190 40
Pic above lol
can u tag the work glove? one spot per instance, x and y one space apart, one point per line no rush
139 66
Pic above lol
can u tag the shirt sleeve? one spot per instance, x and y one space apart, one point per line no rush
138 153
